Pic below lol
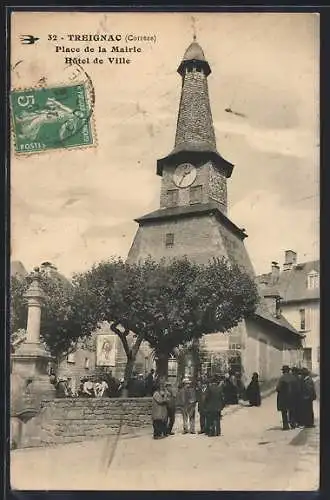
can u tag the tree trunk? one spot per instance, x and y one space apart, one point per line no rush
196 360
162 365
127 375
131 357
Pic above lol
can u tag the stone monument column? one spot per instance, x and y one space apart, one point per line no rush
34 296
30 382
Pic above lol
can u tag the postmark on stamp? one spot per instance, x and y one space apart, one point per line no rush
51 118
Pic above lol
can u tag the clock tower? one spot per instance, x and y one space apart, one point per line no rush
193 222
192 219
194 172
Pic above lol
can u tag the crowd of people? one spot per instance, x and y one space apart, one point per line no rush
88 387
209 396
295 395
104 385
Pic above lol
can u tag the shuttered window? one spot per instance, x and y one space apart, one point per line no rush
169 239
196 193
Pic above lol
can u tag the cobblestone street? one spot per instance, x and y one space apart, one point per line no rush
252 454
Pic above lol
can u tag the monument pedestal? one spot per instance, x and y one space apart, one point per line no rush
31 363
30 384
30 381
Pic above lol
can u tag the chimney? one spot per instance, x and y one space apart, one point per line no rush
275 273
273 301
290 260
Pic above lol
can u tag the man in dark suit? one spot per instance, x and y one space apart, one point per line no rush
285 397
201 393
171 407
214 403
308 396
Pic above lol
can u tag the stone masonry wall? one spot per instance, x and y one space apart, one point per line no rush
78 419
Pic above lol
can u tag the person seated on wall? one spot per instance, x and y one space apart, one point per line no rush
100 388
62 388
88 388
70 389
113 386
52 376
80 387
120 387
96 388
104 388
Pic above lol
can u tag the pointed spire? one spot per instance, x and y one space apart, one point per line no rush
195 132
194 58
195 124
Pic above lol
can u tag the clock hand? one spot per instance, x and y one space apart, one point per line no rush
184 175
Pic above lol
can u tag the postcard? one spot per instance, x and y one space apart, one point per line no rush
164 251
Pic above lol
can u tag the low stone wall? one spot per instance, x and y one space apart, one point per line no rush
77 419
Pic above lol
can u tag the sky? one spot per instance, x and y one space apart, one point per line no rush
77 207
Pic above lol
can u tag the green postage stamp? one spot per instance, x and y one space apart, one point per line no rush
51 118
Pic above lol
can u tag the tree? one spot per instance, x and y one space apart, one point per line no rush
58 328
165 304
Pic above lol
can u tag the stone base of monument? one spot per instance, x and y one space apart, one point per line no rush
30 384
30 362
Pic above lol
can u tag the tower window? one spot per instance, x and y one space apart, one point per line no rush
302 313
278 311
196 193
313 280
169 240
172 197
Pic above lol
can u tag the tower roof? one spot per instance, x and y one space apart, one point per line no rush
195 137
194 52
194 56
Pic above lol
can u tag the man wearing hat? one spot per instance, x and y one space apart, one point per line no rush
214 404
170 407
285 397
308 396
186 400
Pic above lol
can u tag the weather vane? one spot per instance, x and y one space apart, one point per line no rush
194 28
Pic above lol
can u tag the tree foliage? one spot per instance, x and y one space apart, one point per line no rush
165 304
58 329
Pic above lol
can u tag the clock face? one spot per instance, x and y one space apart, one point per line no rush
184 175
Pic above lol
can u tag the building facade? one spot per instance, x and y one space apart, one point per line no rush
193 221
299 288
